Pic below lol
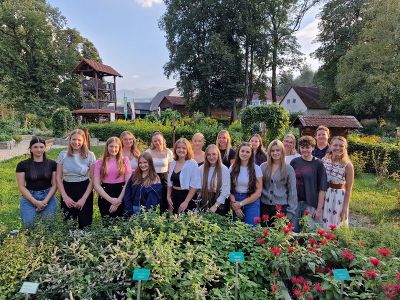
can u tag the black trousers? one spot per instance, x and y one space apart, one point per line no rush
113 190
178 196
164 201
270 211
75 191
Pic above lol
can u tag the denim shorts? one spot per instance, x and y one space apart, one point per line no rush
250 211
28 210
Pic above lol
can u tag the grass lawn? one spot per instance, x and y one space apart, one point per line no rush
377 201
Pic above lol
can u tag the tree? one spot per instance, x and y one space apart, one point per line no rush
38 54
287 80
368 75
340 27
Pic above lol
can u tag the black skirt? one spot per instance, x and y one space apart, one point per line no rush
113 190
164 201
178 196
75 191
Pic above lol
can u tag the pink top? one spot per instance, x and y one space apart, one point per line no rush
112 171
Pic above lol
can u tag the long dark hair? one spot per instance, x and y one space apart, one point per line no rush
216 176
151 178
251 167
33 170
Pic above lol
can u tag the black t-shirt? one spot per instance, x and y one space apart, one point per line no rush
37 174
226 159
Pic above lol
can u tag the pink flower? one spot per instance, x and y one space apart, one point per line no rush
265 217
318 287
278 207
398 276
306 288
384 251
260 241
280 215
290 225
374 261
370 274
276 251
348 255
307 212
257 219
332 226
265 232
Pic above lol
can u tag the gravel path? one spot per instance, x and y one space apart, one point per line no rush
20 149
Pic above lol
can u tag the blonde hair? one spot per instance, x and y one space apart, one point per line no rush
228 143
84 149
199 135
217 174
152 147
188 146
106 156
290 135
323 128
282 164
344 159
134 148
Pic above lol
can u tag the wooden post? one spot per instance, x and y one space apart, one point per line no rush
115 95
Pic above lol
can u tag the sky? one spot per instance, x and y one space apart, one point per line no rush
128 38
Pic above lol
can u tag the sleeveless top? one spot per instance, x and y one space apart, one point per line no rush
336 172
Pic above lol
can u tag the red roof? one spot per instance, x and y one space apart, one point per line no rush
330 121
95 111
96 66
176 100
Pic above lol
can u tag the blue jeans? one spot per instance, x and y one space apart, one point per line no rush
250 211
302 206
28 210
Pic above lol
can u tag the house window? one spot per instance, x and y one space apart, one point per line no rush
294 100
288 101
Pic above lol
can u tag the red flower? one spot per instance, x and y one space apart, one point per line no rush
290 249
290 225
265 232
398 276
313 241
323 241
286 230
332 226
298 293
321 231
306 288
280 215
278 207
374 261
276 251
329 270
319 270
391 290
318 287
384 251
329 236
348 255
370 274
275 288
260 241
265 217
310 249
257 219
307 212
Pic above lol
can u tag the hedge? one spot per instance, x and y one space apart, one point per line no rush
380 150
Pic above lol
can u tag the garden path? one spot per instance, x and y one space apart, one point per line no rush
20 149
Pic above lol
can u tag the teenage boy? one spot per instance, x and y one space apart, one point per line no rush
311 182
322 136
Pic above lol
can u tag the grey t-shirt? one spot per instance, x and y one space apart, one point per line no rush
75 167
310 179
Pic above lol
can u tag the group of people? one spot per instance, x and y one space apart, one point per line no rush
250 181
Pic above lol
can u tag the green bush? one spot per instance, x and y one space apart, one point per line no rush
359 162
62 121
5 137
8 127
371 152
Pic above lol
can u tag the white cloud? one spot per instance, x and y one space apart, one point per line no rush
306 38
148 3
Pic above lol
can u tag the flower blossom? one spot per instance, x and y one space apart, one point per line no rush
384 251
371 274
276 251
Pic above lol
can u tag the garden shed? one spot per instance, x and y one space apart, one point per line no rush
338 125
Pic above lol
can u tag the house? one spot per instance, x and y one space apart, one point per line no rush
268 99
174 102
98 96
142 109
155 102
306 100
338 125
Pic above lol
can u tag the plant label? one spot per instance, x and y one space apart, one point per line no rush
141 274
29 288
236 257
341 274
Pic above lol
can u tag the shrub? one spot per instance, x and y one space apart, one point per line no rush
359 162
5 137
8 127
62 121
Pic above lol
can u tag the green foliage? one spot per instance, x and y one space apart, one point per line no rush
170 116
62 121
275 118
358 160
5 137
376 152
154 118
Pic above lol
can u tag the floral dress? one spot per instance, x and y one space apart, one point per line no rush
334 198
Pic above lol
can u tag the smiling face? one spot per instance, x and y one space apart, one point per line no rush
255 143
276 153
113 149
322 137
37 150
288 142
76 142
127 141
212 156
143 165
338 148
158 142
245 153
222 140
306 151
181 151
198 142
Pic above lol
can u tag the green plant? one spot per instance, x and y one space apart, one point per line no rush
358 162
17 138
62 121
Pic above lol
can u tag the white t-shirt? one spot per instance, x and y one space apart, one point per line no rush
242 184
161 164
226 182
134 163
289 158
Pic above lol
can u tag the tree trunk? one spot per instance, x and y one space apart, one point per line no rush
246 75
274 65
251 88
